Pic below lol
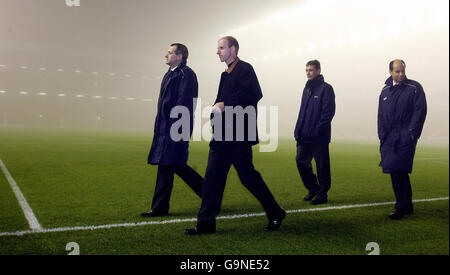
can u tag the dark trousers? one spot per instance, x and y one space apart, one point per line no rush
321 183
164 185
219 162
402 190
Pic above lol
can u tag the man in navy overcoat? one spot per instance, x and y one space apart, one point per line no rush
179 88
401 114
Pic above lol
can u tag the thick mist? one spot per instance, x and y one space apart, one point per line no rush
100 65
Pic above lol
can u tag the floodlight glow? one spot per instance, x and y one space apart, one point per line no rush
43 93
3 92
114 98
23 93
147 99
61 95
97 96
60 70
112 74
24 67
95 73
130 98
127 76
78 71
79 96
42 69
3 66
311 47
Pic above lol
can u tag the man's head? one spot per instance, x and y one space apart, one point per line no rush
312 69
227 49
397 70
176 54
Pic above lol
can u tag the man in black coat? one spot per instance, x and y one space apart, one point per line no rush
234 133
402 110
169 151
313 134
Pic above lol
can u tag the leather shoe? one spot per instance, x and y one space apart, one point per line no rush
201 228
309 197
397 214
319 201
275 223
152 214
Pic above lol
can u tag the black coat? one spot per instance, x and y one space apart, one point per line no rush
239 87
401 114
316 112
178 88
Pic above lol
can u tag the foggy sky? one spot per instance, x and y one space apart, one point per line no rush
115 49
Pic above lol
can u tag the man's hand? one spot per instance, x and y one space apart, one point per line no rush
219 107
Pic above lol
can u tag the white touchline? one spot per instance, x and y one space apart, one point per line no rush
238 216
29 215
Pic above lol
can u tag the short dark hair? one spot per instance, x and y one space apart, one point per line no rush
231 42
181 49
391 64
314 63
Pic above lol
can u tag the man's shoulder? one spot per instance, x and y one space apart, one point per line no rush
413 84
244 65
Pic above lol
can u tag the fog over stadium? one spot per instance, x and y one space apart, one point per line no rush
100 64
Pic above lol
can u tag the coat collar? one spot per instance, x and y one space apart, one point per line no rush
315 82
390 82
233 65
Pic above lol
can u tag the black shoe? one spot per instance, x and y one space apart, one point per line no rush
409 210
201 228
319 201
309 197
275 223
152 214
397 214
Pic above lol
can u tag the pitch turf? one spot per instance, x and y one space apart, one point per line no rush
82 178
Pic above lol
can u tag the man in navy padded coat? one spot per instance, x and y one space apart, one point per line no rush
402 111
179 87
313 134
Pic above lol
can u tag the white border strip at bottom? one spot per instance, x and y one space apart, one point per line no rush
108 226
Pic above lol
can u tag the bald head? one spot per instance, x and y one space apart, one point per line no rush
396 62
397 70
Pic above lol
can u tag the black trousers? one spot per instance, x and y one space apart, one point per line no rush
164 185
219 163
402 190
321 183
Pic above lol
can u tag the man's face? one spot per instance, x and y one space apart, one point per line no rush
223 50
172 59
312 72
398 72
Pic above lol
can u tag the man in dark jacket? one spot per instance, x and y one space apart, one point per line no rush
234 134
313 134
179 87
402 110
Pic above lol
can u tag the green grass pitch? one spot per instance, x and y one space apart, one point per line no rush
82 178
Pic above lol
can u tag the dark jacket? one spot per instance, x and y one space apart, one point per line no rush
316 112
401 114
178 88
239 87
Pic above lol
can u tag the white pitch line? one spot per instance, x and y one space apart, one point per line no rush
29 215
232 217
